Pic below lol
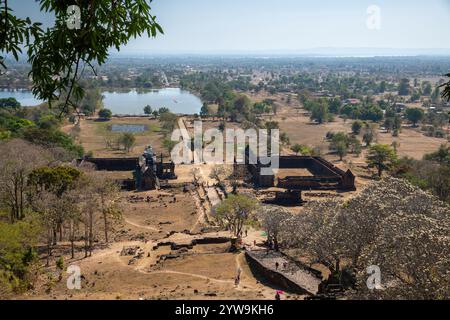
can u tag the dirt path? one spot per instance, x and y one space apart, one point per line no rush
204 170
190 275
141 226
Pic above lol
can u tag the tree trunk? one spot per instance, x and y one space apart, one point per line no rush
49 247
21 201
54 236
105 219
72 246
275 244
86 235
91 232
16 203
60 232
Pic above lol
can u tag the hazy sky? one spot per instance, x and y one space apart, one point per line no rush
208 26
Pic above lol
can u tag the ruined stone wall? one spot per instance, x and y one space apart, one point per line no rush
273 276
114 164
318 168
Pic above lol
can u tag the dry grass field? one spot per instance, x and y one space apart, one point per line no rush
94 135
203 271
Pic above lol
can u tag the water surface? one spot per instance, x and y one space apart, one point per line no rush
133 102
133 128
25 97
129 103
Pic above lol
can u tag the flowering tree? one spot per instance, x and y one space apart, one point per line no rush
314 233
273 220
391 224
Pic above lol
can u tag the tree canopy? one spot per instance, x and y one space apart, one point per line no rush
65 51
382 157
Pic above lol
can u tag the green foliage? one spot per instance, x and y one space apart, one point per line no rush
403 87
148 110
436 94
60 263
319 111
15 32
4 135
168 121
127 139
368 138
235 211
355 145
168 144
284 138
432 173
105 114
382 157
334 105
11 103
204 111
240 109
302 149
371 112
442 155
61 51
17 254
415 96
363 112
356 127
446 91
44 130
91 101
414 115
163 110
48 121
57 180
426 88
382 87
261 107
12 123
341 143
51 138
271 125
65 52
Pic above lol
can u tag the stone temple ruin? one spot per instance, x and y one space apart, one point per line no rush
148 172
297 174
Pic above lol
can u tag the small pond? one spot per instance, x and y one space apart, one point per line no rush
132 128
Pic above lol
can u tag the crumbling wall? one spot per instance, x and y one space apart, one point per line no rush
326 175
273 276
114 164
